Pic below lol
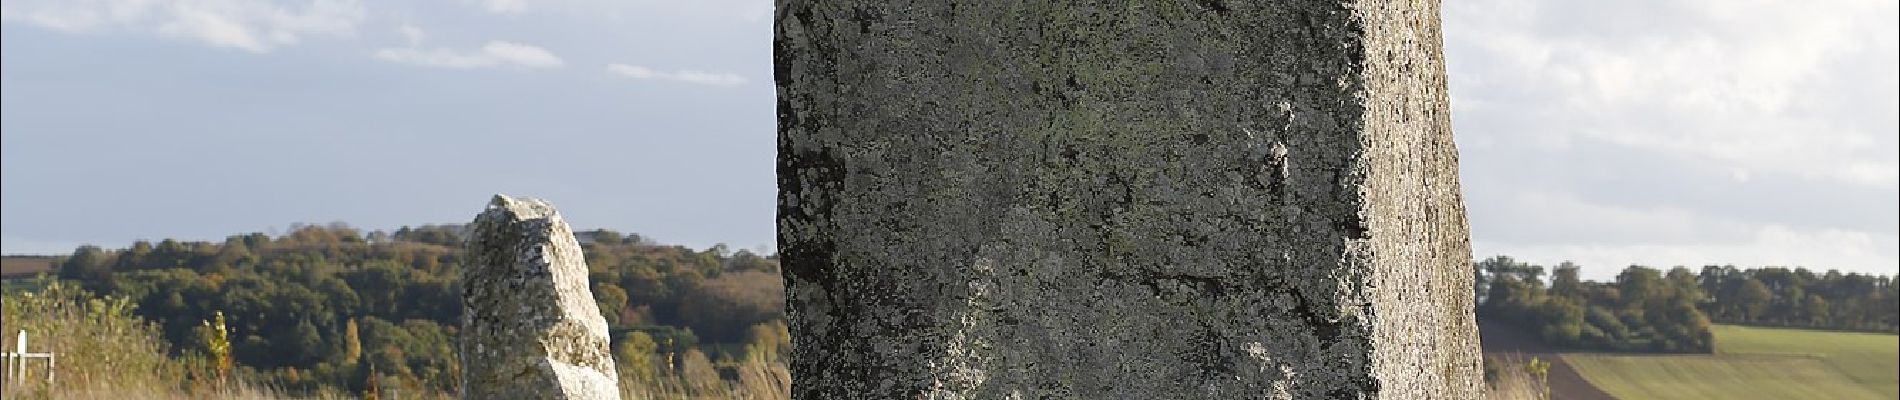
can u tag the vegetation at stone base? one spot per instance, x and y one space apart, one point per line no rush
1757 363
1649 310
1515 377
329 308
105 352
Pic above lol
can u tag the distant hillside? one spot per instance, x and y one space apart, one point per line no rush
1756 363
333 308
1670 311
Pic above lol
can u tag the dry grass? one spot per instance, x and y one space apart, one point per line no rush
759 379
237 391
1514 381
107 353
104 351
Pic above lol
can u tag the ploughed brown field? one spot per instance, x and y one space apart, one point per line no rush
1500 340
24 266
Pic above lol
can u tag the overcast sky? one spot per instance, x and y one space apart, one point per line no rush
1656 132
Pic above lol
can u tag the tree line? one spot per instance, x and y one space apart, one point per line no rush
1800 298
333 308
1651 310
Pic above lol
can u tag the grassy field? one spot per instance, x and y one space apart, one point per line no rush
1756 363
1867 358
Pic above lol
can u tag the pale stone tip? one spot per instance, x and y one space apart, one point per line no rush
526 207
500 201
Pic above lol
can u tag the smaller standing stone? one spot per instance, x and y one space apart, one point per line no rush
530 327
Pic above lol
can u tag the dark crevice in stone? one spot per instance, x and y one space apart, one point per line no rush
1217 6
1353 226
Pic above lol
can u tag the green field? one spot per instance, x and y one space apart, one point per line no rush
1868 358
1756 363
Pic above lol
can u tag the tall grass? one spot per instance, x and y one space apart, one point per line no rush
104 351
1509 377
758 377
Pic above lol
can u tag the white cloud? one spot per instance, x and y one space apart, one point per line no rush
1797 88
252 25
1666 132
1605 238
521 54
412 35
506 6
1536 216
1766 245
493 54
685 75
708 78
630 71
677 13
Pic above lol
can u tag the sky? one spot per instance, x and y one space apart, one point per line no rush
1609 133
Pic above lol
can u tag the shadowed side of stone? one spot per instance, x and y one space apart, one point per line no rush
1124 200
530 327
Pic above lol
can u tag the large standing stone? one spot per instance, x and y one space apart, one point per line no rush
530 327
1121 199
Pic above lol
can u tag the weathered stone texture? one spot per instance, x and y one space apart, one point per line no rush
530 327
1144 199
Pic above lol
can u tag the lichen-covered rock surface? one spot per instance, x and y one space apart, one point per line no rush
1122 200
530 327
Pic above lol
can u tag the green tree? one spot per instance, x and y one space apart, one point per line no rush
1640 286
1564 282
1753 299
612 301
636 353
724 308
88 264
299 345
1814 310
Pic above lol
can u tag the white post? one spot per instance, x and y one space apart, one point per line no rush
19 348
16 370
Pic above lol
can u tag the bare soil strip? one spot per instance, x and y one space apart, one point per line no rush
1565 383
